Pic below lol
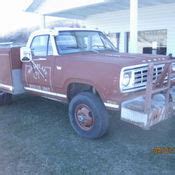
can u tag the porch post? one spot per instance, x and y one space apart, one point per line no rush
133 48
122 42
171 40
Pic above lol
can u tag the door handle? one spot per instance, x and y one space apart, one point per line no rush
58 67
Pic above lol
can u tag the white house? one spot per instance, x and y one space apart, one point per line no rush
133 25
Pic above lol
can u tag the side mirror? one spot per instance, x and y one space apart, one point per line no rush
25 54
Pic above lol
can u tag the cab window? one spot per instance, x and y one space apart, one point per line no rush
68 42
41 46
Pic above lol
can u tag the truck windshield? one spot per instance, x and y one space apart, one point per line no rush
82 41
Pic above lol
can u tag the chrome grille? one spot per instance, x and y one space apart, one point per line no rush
140 75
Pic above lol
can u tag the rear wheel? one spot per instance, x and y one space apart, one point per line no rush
5 98
88 115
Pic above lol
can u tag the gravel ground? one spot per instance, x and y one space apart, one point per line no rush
36 138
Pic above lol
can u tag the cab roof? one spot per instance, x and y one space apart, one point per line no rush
55 31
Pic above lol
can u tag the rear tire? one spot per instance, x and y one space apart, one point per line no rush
88 115
5 98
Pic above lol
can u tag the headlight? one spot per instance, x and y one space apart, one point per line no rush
126 79
173 67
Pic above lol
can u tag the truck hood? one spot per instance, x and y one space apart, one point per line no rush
122 59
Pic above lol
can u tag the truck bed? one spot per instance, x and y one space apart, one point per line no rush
10 70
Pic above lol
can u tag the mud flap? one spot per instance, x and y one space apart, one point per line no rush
132 111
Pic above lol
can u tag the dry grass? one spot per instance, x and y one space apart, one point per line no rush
36 138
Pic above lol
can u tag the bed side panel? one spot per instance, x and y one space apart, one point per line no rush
16 71
15 57
5 71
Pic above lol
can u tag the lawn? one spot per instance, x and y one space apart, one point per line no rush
36 138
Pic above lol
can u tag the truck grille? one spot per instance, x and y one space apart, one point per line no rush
140 75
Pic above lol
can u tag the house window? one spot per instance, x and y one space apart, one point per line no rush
148 39
115 39
152 40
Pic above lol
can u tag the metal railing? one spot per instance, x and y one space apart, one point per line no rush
161 84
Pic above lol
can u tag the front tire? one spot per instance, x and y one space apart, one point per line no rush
5 98
88 115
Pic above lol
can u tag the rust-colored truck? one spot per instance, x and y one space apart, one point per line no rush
81 67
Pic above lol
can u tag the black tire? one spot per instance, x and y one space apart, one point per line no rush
5 98
98 115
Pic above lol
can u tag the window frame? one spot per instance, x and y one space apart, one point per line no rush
48 39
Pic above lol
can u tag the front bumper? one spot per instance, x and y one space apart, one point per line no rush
132 111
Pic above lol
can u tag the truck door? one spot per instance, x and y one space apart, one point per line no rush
38 73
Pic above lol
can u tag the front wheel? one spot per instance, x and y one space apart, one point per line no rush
88 115
5 98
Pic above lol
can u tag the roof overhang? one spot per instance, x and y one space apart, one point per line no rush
74 10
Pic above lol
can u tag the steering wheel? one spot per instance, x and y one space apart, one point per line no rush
98 46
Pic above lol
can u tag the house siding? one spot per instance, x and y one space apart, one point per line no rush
149 18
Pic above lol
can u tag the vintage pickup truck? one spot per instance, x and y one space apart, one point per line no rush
81 67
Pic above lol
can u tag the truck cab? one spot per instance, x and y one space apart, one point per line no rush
54 54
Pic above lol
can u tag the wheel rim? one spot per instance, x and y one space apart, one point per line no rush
84 117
